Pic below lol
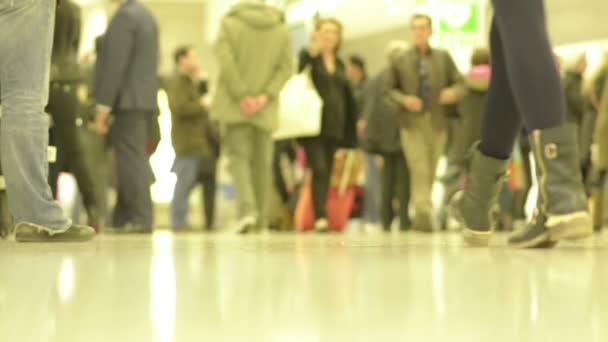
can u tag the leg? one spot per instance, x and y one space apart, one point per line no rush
262 172
128 135
388 185
535 83
58 165
419 154
317 154
238 143
534 80
24 69
501 119
70 147
373 188
403 191
279 181
186 169
209 191
488 164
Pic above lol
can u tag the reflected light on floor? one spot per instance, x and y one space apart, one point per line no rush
66 280
162 288
438 277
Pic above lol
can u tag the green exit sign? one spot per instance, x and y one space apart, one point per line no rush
459 16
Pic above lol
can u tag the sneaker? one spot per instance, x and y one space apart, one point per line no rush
322 225
29 232
246 225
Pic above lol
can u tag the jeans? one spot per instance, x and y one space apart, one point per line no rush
189 172
25 45
249 150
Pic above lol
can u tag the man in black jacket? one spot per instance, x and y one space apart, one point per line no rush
126 87
64 106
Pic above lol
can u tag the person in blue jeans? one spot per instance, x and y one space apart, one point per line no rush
525 86
193 137
25 55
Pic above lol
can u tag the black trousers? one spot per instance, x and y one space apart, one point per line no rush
282 148
320 154
128 137
209 184
64 135
525 83
395 186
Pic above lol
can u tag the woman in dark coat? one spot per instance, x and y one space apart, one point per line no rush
339 117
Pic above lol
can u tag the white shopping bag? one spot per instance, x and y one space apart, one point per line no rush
300 109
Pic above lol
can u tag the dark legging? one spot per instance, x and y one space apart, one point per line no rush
320 156
525 81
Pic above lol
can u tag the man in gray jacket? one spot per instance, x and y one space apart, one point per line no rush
255 59
126 86
423 81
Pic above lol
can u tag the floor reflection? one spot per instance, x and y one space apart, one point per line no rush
301 288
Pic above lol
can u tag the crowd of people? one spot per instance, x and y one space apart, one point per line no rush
402 121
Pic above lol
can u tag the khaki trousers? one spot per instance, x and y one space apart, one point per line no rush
423 146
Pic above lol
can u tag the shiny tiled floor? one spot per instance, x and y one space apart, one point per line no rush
293 288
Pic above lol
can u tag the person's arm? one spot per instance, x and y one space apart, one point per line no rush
369 97
119 41
283 69
229 71
305 59
76 36
182 104
392 85
456 88
574 96
601 131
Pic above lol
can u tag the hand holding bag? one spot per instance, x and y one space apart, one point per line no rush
300 108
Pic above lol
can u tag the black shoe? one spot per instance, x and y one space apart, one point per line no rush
27 232
185 229
138 229
423 223
535 235
128 229
562 212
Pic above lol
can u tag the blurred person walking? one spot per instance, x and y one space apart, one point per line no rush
192 136
525 88
357 75
575 101
381 136
599 150
468 128
424 81
255 60
339 113
126 87
26 43
65 108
